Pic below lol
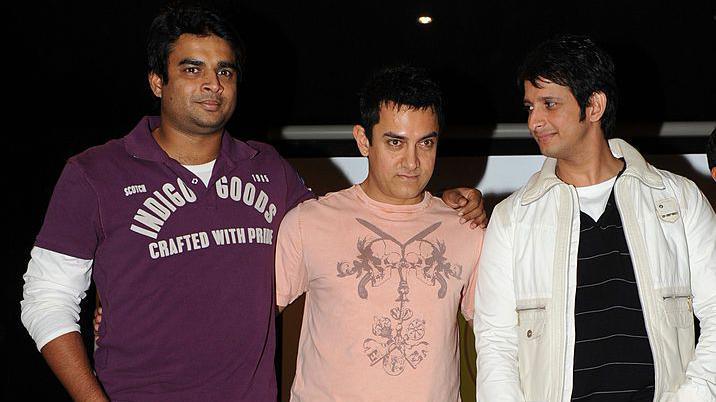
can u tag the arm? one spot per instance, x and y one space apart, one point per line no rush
291 274
495 323
58 276
54 286
67 358
467 304
469 204
700 227
296 192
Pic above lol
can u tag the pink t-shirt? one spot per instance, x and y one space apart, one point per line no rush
383 286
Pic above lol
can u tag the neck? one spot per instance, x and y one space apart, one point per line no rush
374 193
595 164
187 148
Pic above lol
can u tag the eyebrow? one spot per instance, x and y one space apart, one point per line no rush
227 64
221 64
192 62
391 134
543 98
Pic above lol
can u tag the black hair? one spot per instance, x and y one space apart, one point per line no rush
179 18
403 85
578 63
711 150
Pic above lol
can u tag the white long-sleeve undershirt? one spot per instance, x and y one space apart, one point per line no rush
55 284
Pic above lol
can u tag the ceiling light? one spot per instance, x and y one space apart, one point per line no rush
425 19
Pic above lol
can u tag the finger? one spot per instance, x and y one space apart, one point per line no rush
477 218
480 218
457 201
475 214
469 210
454 199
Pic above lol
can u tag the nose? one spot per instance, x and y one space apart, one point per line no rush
412 161
535 120
212 83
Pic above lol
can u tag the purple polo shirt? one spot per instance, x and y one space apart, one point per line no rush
185 272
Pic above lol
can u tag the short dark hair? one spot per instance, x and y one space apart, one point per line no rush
578 63
711 150
402 85
179 18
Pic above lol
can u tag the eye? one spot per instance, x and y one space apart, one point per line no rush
527 108
226 73
394 142
191 70
550 104
428 142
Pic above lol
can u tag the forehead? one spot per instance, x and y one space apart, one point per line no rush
544 89
406 120
202 47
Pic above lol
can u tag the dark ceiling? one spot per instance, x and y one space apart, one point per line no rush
306 59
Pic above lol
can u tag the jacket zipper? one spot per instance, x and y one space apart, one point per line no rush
567 267
638 260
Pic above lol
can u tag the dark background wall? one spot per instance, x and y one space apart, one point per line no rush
75 77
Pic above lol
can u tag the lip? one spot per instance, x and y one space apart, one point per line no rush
543 137
210 105
409 176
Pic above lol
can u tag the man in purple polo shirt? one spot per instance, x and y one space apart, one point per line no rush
176 224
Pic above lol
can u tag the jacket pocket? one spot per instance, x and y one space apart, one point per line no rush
533 351
679 311
678 335
531 323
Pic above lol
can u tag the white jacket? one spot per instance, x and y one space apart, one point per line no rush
524 303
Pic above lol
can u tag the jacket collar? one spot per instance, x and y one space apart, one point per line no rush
636 166
140 144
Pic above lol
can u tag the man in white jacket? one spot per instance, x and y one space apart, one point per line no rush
711 153
591 273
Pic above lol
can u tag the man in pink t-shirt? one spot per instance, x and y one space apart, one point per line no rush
385 265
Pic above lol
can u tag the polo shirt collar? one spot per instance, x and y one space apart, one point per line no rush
140 144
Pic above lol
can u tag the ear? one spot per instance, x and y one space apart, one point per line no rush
361 140
155 84
596 107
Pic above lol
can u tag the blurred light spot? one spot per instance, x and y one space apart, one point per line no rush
425 19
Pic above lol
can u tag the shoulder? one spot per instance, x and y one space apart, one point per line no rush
676 182
322 211
100 154
263 149
100 160
684 190
450 218
335 202
506 208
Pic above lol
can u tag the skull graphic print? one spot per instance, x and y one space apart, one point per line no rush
397 337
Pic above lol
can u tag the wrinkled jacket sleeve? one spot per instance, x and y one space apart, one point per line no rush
495 316
700 226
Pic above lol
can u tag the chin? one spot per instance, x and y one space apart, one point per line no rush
211 123
410 193
549 152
